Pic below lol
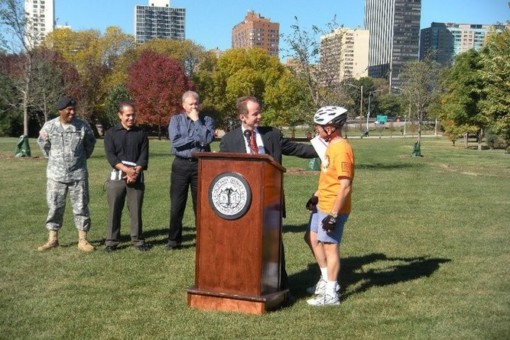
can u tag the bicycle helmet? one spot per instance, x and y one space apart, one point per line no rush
334 115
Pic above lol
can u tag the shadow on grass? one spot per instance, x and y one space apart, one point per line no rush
293 228
160 236
153 237
383 271
361 273
383 166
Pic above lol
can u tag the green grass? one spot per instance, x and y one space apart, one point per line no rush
390 129
425 254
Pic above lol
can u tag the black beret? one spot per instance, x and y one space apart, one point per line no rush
64 102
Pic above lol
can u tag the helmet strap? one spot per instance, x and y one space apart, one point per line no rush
330 132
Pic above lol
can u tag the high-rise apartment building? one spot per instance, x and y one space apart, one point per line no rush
344 54
40 15
446 40
394 27
159 21
255 31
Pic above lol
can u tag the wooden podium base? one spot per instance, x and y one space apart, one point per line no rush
205 300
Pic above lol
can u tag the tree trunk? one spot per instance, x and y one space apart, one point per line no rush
45 110
479 138
44 107
25 113
420 123
26 90
159 128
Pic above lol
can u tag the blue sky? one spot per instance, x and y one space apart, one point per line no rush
209 22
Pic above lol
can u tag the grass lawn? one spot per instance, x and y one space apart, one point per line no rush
425 254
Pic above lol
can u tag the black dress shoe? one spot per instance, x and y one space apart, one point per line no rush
172 246
289 299
144 247
109 249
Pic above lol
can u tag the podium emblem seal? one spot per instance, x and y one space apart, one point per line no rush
229 195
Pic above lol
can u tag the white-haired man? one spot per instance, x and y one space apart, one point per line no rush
331 204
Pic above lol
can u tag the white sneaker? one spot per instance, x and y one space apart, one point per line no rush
320 288
324 300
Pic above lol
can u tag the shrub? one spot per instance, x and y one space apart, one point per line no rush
496 141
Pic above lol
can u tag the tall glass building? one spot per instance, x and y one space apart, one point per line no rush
443 41
394 27
40 20
159 21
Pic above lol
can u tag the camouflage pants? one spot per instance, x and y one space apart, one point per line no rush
56 194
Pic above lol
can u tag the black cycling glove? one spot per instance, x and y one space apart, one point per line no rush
312 202
329 223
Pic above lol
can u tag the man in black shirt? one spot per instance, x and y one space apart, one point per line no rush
127 150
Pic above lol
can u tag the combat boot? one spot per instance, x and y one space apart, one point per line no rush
83 244
52 241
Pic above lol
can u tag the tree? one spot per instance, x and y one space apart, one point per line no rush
390 104
191 56
156 84
113 44
12 16
94 56
495 73
38 75
461 93
305 54
419 82
287 103
10 117
238 73
352 88
52 77
253 72
203 80
109 116
451 130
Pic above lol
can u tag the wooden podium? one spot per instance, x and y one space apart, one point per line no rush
239 221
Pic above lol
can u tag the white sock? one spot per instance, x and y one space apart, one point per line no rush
331 287
324 273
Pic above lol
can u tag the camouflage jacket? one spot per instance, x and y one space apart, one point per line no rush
67 149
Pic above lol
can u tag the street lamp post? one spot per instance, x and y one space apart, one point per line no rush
361 102
368 111
404 133
360 98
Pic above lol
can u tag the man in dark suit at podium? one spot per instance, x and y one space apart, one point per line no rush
252 138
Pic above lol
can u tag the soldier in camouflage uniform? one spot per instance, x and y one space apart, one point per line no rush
67 142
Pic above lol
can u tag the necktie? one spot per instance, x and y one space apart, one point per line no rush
253 143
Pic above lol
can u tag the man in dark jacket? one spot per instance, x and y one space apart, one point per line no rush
252 138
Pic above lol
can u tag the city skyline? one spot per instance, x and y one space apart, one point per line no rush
210 25
394 28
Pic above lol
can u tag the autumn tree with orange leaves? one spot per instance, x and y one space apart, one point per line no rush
156 84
